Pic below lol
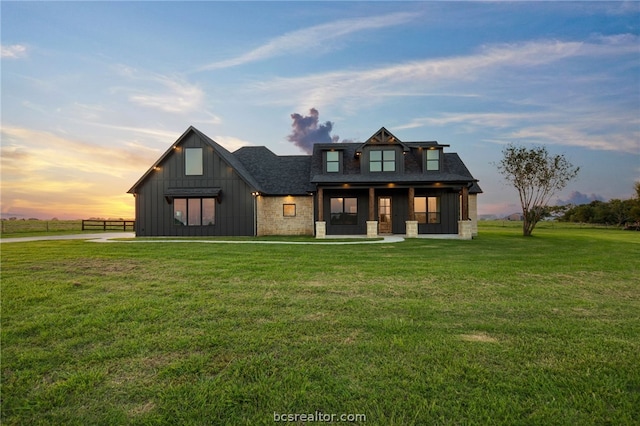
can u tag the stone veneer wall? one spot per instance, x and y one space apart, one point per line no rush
271 219
473 213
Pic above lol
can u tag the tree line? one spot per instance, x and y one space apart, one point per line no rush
613 212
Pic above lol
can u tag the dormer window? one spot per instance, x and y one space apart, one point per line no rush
332 162
382 160
433 159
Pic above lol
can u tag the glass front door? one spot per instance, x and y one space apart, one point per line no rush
384 215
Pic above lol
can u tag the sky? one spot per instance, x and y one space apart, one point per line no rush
92 93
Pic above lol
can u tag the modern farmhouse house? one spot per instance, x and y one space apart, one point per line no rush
381 186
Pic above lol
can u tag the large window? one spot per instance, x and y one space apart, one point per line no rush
333 162
194 211
433 159
427 209
344 211
193 161
382 161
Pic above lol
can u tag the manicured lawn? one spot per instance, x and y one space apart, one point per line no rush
498 330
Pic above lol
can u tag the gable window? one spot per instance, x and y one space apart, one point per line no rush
332 162
344 211
427 209
194 211
382 161
433 159
289 210
193 161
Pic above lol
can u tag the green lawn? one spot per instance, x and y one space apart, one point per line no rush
498 330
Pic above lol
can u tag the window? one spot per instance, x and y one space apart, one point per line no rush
427 209
193 161
194 211
333 162
288 210
344 211
433 159
382 161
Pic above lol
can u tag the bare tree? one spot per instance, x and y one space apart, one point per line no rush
537 176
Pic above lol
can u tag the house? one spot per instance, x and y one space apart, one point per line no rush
381 186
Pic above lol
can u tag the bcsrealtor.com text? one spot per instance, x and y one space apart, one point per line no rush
318 416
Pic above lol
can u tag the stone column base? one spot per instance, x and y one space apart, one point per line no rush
372 228
321 230
465 230
412 229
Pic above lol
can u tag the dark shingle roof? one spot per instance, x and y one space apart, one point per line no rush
453 169
298 174
276 175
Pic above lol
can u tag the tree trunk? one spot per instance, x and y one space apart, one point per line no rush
529 221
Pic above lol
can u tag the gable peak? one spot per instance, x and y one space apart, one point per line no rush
382 137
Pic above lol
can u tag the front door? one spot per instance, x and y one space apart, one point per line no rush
384 215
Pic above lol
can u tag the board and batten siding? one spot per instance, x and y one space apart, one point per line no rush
234 213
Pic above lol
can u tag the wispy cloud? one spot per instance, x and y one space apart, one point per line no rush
312 38
29 151
171 95
13 51
166 93
519 81
44 172
423 75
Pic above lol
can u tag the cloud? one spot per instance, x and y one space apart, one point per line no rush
14 51
577 198
428 75
307 131
519 81
313 38
45 175
27 152
172 94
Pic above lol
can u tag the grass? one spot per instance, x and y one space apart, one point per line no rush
498 330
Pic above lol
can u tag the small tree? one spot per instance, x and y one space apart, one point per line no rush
537 176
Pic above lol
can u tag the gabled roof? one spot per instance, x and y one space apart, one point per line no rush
276 175
453 169
272 174
382 137
226 156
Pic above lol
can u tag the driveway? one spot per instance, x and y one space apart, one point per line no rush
108 237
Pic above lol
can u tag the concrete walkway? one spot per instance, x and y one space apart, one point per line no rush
110 237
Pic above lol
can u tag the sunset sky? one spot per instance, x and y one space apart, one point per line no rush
94 92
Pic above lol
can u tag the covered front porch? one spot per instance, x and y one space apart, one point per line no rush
412 211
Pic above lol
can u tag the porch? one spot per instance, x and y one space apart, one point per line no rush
427 211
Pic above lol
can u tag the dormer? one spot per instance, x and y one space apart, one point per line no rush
332 160
382 153
433 157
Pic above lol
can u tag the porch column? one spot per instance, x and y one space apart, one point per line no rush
321 225
412 195
372 223
372 204
320 205
465 203
412 223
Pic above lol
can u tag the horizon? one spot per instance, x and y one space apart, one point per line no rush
93 93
